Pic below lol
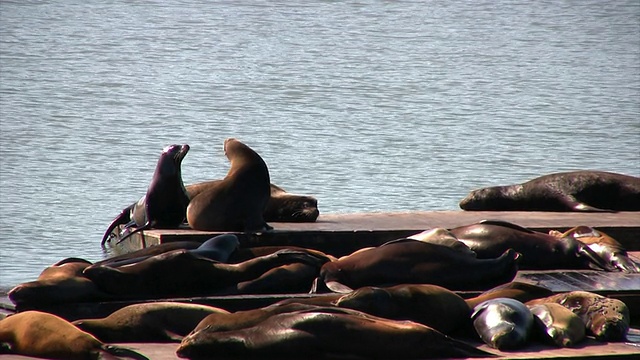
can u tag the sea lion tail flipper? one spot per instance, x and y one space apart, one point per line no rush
123 218
595 261
338 287
576 205
118 352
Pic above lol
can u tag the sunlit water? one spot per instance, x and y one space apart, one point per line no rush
369 106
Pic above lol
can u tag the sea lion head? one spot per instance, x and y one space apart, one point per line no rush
481 199
170 160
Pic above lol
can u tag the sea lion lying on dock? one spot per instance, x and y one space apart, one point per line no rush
183 273
43 335
503 323
558 325
327 332
540 251
408 261
162 321
606 319
584 191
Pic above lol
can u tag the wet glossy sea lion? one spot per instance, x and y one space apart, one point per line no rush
161 321
165 203
606 319
489 239
39 334
558 325
516 290
62 282
281 207
182 273
141 254
602 244
238 201
586 191
410 261
503 323
429 305
313 333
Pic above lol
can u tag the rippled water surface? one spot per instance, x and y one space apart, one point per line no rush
369 105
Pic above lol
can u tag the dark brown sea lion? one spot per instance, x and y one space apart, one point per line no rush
602 244
489 239
165 203
410 261
503 323
161 321
62 282
566 191
319 334
281 207
429 305
236 203
516 290
183 273
38 334
606 319
558 325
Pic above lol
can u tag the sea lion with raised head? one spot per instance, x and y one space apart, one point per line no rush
606 319
281 207
183 273
165 203
320 333
62 282
602 244
43 335
583 191
540 251
408 261
238 201
503 323
162 321
558 325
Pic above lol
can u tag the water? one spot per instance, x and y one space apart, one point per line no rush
368 105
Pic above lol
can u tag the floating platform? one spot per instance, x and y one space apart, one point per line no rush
341 234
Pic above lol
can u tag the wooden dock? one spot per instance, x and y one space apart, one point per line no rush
341 234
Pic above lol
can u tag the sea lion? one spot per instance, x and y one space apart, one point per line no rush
236 203
584 191
281 207
62 282
165 203
516 290
319 333
183 273
606 319
503 323
602 244
162 321
39 334
558 325
429 305
408 261
442 236
540 251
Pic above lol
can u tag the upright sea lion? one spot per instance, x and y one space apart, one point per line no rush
162 321
238 201
429 305
39 334
281 207
183 273
593 191
165 203
489 239
503 323
602 244
62 282
317 333
606 319
558 325
410 261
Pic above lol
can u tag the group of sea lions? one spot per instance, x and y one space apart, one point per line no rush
407 321
244 200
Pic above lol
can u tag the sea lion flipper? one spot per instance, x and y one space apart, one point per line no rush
146 226
123 352
596 262
576 205
338 287
123 218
